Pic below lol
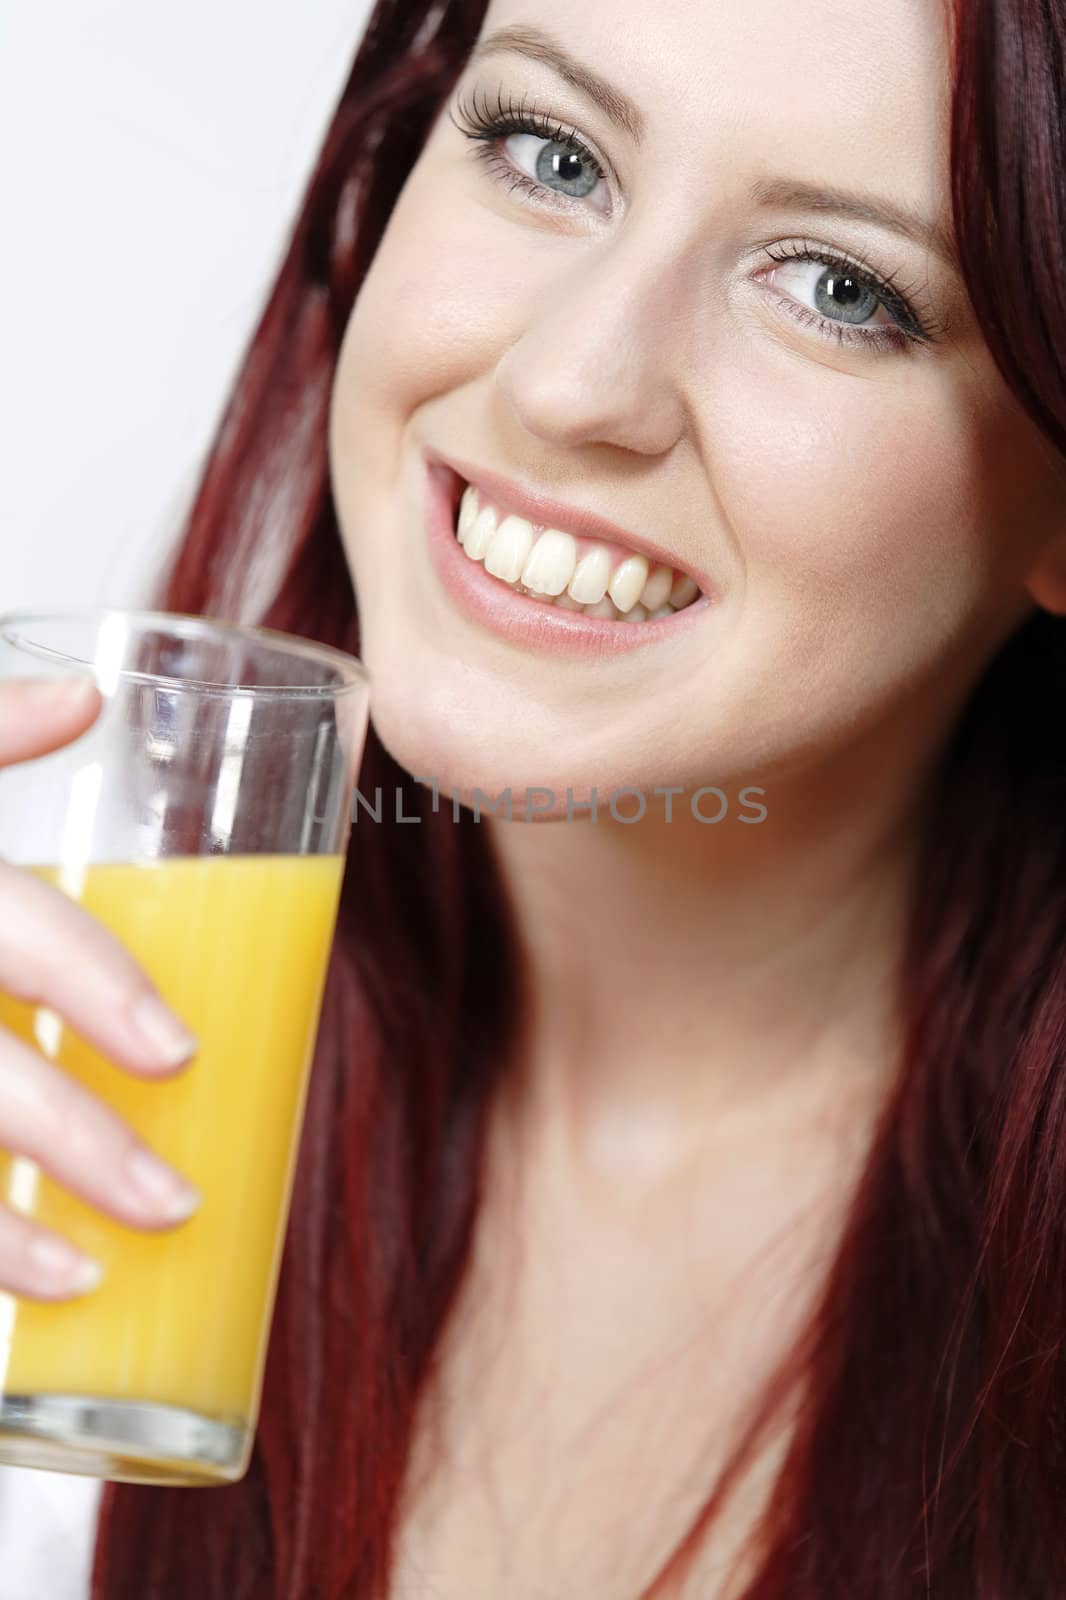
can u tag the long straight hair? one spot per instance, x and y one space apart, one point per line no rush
928 1461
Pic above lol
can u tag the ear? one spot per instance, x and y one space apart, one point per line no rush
1046 580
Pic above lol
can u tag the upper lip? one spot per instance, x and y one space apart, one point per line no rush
540 510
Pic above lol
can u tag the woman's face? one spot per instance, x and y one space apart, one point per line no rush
649 327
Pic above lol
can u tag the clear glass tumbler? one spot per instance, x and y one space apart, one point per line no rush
204 818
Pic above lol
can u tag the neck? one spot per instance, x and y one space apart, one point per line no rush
685 977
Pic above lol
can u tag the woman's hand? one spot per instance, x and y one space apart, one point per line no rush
54 953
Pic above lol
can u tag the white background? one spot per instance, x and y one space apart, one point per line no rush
152 159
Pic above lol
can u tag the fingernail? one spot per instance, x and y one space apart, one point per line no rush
60 1262
68 693
168 1039
161 1187
87 1276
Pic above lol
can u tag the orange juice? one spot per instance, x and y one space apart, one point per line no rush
238 946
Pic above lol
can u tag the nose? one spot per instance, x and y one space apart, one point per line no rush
595 359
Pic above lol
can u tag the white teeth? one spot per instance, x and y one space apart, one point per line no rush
684 590
550 565
657 589
545 567
589 583
479 534
508 549
627 582
605 609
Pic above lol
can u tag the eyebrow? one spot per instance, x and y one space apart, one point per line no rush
798 195
794 193
539 46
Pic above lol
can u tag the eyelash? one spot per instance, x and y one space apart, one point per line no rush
489 128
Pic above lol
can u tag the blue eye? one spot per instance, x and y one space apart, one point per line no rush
558 164
563 168
847 295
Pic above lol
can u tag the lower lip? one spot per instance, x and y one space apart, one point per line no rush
492 603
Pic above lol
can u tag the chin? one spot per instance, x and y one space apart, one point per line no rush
442 720
435 748
478 769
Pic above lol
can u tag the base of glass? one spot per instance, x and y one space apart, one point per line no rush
128 1441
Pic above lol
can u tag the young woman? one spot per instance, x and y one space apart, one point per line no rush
682 1204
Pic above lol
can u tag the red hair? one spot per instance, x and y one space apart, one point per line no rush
929 1458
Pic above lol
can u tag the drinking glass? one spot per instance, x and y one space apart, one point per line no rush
204 819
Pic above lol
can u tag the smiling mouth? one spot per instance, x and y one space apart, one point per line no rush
599 578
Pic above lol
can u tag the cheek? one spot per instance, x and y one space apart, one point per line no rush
436 309
855 505
865 538
431 321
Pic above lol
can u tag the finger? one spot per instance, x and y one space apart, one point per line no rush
41 1264
54 1120
37 715
54 953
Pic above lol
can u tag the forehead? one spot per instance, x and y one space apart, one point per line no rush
825 89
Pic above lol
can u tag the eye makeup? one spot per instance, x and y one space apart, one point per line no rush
489 123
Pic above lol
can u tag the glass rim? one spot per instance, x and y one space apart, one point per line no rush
353 674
